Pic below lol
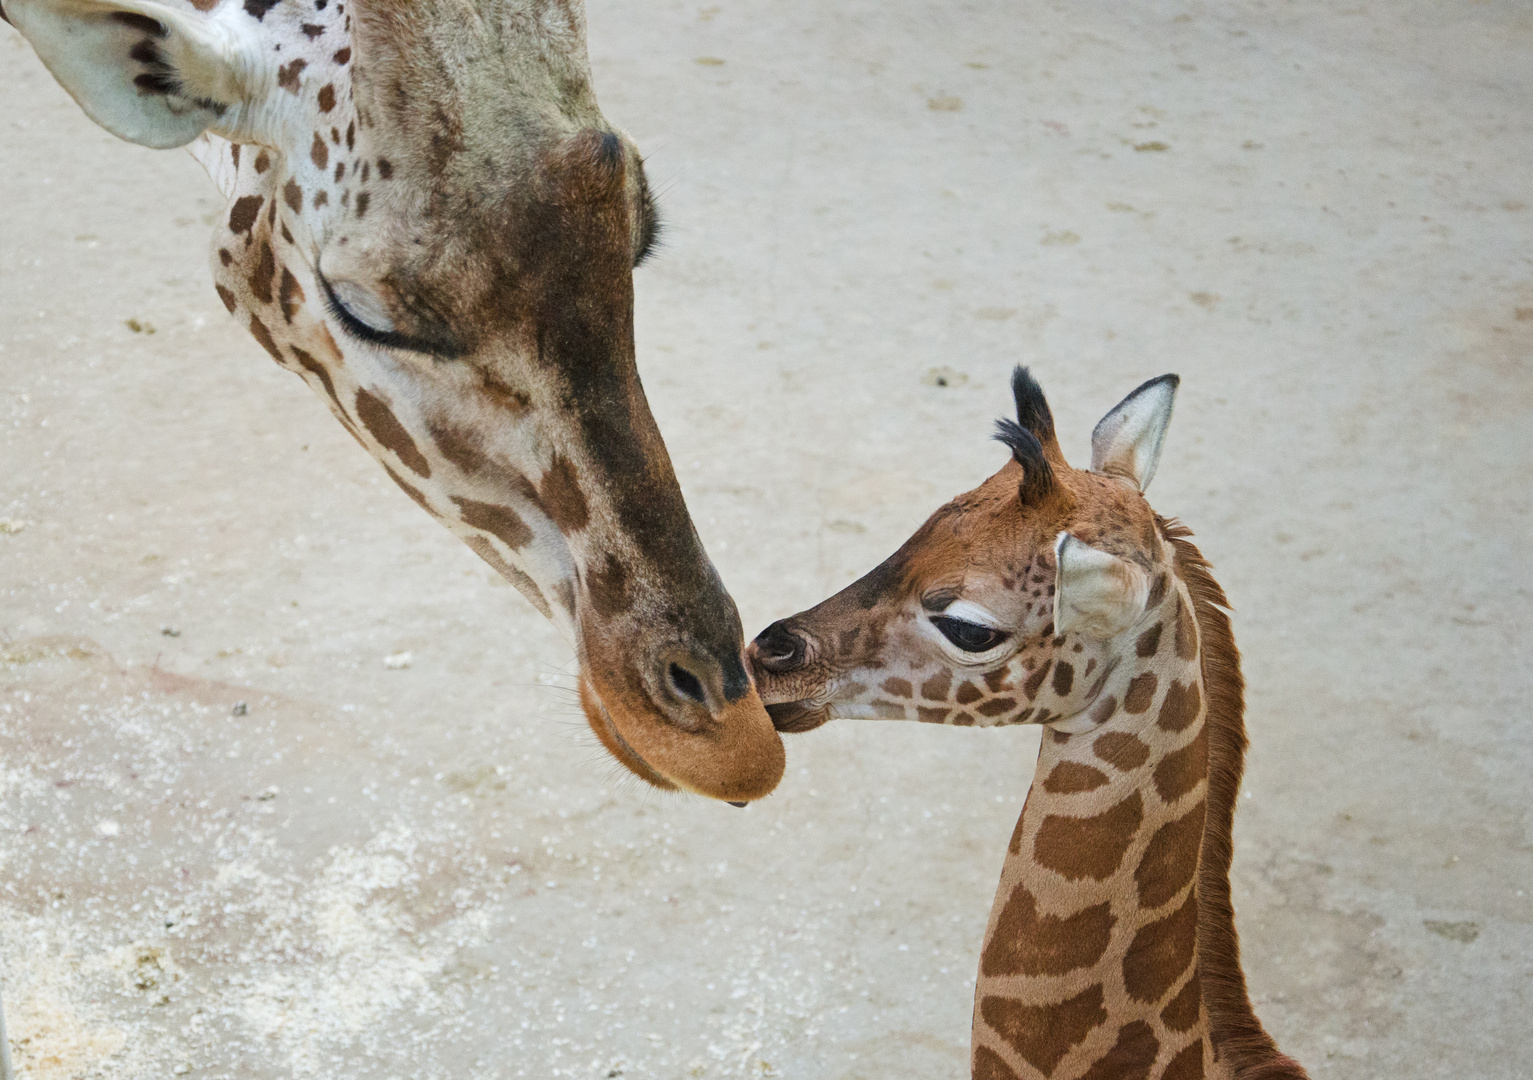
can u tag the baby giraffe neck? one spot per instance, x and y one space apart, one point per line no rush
1111 952
1090 964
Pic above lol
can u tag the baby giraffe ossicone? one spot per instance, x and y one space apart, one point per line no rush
1056 596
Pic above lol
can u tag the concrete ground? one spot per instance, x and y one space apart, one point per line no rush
1320 214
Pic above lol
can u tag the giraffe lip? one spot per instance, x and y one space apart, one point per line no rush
796 716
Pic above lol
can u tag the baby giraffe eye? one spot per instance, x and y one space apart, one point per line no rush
968 636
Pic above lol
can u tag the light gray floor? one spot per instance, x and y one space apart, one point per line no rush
1321 215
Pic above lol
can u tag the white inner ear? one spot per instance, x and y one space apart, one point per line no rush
1128 440
87 50
1095 594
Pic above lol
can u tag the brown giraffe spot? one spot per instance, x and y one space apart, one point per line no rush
998 680
929 715
1102 711
351 135
365 168
292 194
1157 592
234 154
387 429
502 396
501 521
409 489
1181 1012
1123 752
1025 943
1149 642
608 588
326 97
962 719
321 198
1090 847
1035 680
315 368
262 161
897 687
1179 772
1064 678
312 30
988 1065
1187 1065
335 137
342 56
261 334
968 693
319 153
847 640
1043 1034
264 271
224 256
1068 777
1171 859
243 214
1181 706
385 168
363 198
1141 691
227 297
562 498
936 687
996 706
1161 951
286 236
340 172
1186 631
460 446
287 75
1132 1056
289 295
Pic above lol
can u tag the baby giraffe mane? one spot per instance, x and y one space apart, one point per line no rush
1237 1033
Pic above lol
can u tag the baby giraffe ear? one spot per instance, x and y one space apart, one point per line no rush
1127 441
1097 594
151 73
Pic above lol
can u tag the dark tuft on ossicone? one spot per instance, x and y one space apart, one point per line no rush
1037 474
1032 407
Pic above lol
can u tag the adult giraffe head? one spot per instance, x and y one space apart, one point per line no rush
431 222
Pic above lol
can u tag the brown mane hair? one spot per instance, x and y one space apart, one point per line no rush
1238 1035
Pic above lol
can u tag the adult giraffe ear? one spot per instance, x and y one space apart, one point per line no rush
152 73
1126 442
1096 594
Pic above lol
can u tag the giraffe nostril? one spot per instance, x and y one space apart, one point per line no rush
779 649
686 684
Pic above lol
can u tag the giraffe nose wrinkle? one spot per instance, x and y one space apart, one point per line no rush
779 649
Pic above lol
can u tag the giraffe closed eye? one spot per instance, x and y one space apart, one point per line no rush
362 315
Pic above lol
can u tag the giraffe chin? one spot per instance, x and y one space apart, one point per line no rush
737 757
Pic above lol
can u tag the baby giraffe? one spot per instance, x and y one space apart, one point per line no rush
1055 596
